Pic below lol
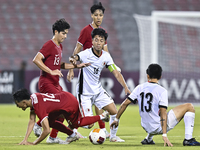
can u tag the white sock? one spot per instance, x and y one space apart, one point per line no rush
73 134
104 129
75 130
189 124
113 131
149 137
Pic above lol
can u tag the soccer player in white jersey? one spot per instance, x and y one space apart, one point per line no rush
89 88
153 102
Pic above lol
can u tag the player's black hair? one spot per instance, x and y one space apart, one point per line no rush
154 71
99 31
21 94
97 6
60 25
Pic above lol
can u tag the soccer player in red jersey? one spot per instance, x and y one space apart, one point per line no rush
48 59
48 107
85 42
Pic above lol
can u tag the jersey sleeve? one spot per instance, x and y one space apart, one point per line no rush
38 108
163 99
110 60
83 36
83 56
133 96
45 50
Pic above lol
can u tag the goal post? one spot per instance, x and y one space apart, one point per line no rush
172 39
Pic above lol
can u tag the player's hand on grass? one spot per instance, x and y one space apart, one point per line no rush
24 142
167 142
114 124
70 75
56 72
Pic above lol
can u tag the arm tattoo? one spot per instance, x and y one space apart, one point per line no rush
162 122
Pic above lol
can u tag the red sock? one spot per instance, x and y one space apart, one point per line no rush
88 120
54 132
62 128
101 124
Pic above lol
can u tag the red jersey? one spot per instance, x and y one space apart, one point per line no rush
43 104
52 59
85 38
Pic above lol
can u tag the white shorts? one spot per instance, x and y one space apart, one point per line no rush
100 100
171 123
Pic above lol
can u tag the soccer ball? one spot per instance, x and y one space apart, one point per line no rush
97 136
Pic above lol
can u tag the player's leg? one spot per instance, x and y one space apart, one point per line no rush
101 123
187 112
56 124
85 107
174 116
148 140
61 127
82 121
105 102
87 120
111 108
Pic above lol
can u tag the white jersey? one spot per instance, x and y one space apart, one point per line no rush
150 97
89 77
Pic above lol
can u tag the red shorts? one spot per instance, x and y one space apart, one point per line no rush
49 88
73 119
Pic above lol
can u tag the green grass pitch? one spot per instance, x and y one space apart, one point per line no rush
13 124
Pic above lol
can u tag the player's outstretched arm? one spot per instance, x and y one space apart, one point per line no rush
70 74
121 80
29 129
45 131
121 110
71 66
163 121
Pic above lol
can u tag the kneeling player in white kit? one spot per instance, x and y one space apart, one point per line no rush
153 102
89 88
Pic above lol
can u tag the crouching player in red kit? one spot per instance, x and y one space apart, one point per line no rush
48 107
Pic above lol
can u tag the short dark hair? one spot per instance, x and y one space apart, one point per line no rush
60 25
97 6
99 31
21 94
154 71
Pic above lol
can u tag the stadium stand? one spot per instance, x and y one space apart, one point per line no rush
25 25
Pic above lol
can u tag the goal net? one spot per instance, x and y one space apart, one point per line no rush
172 39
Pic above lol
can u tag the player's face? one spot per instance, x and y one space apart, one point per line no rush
61 36
97 17
98 42
21 105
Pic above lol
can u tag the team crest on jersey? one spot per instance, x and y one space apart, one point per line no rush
87 109
104 63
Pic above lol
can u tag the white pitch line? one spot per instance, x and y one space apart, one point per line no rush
65 136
